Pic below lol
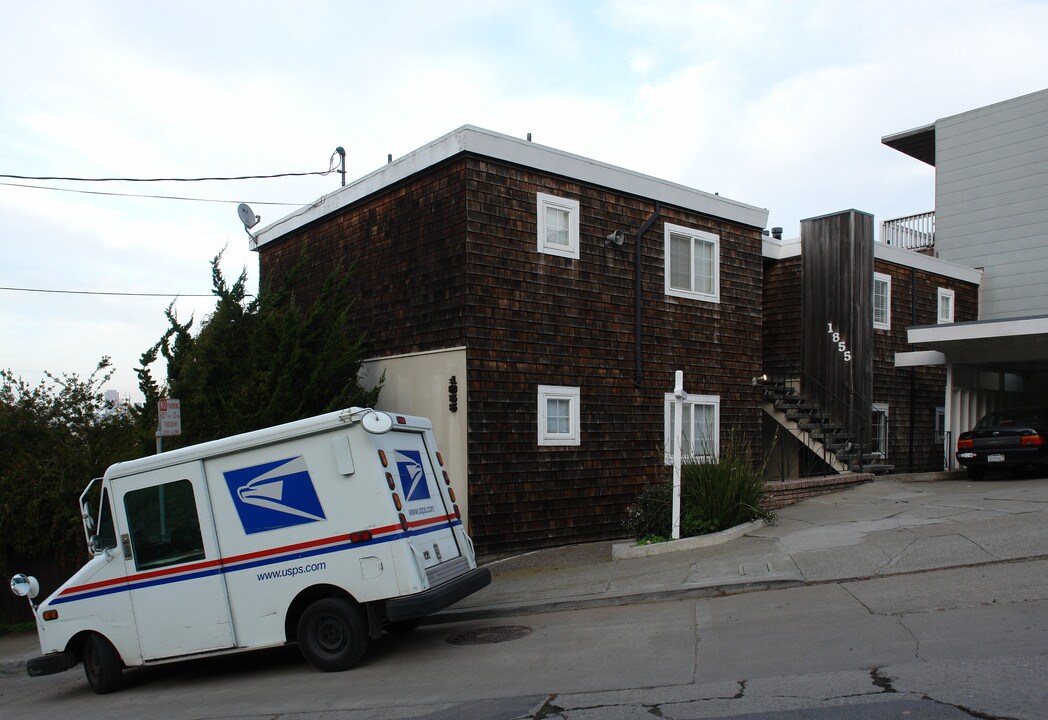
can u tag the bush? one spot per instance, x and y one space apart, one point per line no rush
715 496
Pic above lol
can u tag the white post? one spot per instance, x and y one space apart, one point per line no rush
679 396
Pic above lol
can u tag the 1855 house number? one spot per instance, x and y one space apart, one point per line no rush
842 347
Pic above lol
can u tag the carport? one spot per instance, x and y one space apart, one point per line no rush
990 364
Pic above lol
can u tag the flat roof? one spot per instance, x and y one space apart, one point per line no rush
477 141
782 249
1001 342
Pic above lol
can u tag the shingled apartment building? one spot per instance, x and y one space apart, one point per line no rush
535 305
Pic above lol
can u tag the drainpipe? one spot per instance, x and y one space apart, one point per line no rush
913 371
638 324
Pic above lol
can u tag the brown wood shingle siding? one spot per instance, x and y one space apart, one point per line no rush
782 317
406 251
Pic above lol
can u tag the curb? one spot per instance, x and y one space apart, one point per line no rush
625 551
695 590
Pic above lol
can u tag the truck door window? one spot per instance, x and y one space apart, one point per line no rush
165 527
106 535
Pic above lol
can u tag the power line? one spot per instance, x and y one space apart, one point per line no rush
101 292
149 180
136 195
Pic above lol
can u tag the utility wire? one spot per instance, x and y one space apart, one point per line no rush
135 195
98 292
197 179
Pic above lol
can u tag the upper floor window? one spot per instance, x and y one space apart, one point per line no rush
558 224
559 416
882 301
945 301
692 263
700 420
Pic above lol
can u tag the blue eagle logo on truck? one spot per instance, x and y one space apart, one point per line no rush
412 475
274 495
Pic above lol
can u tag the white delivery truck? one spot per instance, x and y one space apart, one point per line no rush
324 532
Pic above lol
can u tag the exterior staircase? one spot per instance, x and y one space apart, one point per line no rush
817 431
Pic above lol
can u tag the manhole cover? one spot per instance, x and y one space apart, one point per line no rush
490 635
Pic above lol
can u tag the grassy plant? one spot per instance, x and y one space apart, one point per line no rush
716 494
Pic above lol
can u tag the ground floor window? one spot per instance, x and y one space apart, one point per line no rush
700 438
879 430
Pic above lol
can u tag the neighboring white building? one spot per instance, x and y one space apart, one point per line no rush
991 213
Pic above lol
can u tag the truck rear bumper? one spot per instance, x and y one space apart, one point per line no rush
50 664
435 599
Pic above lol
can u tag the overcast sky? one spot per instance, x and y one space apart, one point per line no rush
776 104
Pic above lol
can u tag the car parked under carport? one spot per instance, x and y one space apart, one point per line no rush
1006 439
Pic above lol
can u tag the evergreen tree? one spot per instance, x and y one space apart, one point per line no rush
258 362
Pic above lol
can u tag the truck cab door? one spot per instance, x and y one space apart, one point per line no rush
174 570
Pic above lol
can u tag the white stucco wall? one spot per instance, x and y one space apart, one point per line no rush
417 384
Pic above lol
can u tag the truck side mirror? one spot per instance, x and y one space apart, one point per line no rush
25 586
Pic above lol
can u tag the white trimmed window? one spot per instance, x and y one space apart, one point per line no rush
701 422
692 263
882 301
940 423
879 430
559 416
558 223
945 304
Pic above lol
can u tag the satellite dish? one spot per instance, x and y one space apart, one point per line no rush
377 423
247 216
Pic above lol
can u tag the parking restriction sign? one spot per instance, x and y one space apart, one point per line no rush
170 418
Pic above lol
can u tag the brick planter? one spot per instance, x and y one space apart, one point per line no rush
779 494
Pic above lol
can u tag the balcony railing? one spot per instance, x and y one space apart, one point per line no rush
913 232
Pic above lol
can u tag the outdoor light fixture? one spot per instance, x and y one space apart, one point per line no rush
758 379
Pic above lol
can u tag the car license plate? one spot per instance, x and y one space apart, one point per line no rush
995 458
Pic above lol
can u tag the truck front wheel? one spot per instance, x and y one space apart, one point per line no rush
102 665
332 634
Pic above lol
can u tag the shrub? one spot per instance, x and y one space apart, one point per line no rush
715 495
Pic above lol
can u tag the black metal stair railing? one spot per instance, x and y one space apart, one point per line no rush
784 387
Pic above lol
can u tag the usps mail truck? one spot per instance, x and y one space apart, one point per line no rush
324 532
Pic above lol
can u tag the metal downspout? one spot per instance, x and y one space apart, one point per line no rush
913 370
638 324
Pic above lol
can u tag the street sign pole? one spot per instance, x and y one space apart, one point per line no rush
679 396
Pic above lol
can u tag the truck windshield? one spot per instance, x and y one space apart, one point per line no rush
106 536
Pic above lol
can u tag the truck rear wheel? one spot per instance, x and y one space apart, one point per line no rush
102 665
332 634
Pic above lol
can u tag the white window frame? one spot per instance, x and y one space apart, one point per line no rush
696 236
546 203
886 323
689 451
947 295
940 423
883 409
573 437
